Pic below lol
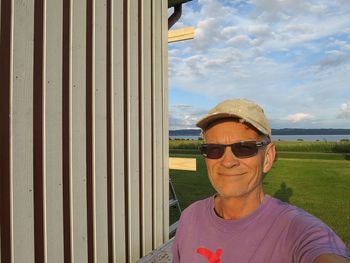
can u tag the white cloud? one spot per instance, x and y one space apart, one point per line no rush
239 40
290 55
342 44
182 116
334 58
230 30
344 111
300 116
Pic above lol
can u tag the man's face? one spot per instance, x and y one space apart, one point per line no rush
232 176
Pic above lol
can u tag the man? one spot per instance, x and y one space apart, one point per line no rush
240 223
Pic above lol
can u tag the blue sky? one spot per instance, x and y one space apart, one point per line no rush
290 56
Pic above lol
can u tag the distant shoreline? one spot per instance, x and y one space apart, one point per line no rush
286 131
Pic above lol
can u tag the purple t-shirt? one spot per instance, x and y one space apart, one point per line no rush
275 232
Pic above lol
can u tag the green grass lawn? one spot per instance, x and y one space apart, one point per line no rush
318 183
282 146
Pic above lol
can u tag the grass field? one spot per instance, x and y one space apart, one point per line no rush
317 182
283 146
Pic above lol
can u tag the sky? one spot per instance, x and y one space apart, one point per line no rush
292 57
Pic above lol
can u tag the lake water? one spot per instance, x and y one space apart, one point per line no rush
329 138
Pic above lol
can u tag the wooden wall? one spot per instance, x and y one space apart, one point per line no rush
84 130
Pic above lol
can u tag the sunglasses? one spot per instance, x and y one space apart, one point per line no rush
243 149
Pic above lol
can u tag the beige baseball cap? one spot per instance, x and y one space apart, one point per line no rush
245 110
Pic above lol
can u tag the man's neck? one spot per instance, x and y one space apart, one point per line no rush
233 208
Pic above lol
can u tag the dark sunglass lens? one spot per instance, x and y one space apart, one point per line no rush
213 151
244 149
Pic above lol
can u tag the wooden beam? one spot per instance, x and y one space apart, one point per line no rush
186 164
180 34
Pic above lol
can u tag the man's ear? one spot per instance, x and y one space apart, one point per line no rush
270 154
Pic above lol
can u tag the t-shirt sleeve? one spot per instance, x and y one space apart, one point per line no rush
175 252
175 249
313 238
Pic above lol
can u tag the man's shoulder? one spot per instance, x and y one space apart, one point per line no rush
289 210
297 218
299 222
300 217
197 207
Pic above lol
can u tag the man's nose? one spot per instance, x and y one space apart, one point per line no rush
229 160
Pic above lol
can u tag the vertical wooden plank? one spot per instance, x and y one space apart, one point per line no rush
6 26
146 128
78 129
157 124
90 127
66 129
38 132
109 109
22 133
100 89
118 136
133 133
165 121
53 132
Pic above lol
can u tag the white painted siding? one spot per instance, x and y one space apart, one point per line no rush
84 134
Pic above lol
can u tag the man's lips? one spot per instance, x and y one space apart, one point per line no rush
230 174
